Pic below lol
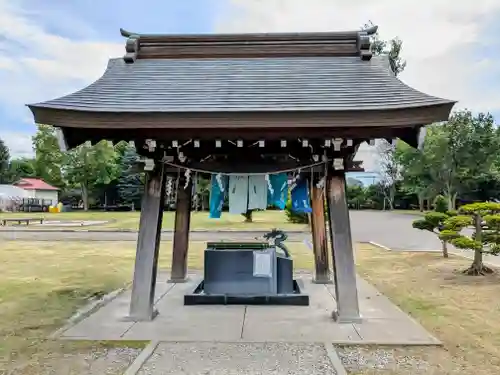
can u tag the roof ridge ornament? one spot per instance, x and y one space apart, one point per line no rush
365 43
131 48
250 45
125 33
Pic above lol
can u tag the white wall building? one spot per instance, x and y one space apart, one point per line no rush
37 188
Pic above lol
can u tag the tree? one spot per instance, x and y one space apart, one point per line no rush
130 180
4 163
20 168
480 161
374 196
462 154
390 171
49 160
355 196
434 222
89 165
485 218
414 170
293 216
202 193
459 160
392 48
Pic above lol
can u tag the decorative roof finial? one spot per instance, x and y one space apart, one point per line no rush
131 46
365 43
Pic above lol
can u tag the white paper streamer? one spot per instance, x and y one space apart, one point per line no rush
321 183
169 187
187 174
269 186
218 178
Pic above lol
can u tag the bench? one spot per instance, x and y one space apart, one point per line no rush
19 221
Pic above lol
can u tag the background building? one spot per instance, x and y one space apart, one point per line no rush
37 188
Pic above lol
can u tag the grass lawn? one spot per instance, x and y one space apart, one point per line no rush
462 311
42 284
262 220
411 212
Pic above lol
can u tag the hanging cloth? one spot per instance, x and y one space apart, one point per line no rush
217 193
238 194
300 197
278 190
257 192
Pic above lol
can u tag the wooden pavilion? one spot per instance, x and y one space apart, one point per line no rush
249 103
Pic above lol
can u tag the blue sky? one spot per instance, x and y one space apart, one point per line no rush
79 21
51 48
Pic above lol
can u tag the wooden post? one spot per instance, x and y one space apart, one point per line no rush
319 237
148 245
181 231
342 250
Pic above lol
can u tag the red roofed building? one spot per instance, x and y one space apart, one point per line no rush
38 188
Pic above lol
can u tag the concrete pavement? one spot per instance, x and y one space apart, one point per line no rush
389 229
260 339
382 322
386 228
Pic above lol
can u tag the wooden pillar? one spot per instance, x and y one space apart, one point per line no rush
344 269
148 245
181 231
319 237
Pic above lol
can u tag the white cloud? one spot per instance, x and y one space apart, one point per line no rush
36 65
367 154
439 37
19 143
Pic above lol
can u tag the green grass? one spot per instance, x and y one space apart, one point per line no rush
263 220
462 311
44 283
411 212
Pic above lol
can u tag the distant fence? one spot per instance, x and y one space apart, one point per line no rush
18 204
9 203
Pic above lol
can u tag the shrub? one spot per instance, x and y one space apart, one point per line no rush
485 219
295 217
440 204
434 222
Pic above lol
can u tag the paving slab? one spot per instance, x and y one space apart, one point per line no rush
311 323
394 332
239 358
199 323
109 320
105 324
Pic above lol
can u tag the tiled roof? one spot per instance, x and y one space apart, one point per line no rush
34 184
324 83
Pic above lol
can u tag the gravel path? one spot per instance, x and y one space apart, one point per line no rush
357 359
238 359
101 361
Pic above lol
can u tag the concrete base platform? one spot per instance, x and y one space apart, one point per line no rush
197 297
382 322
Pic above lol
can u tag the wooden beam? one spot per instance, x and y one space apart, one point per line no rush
181 231
319 237
148 244
342 250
